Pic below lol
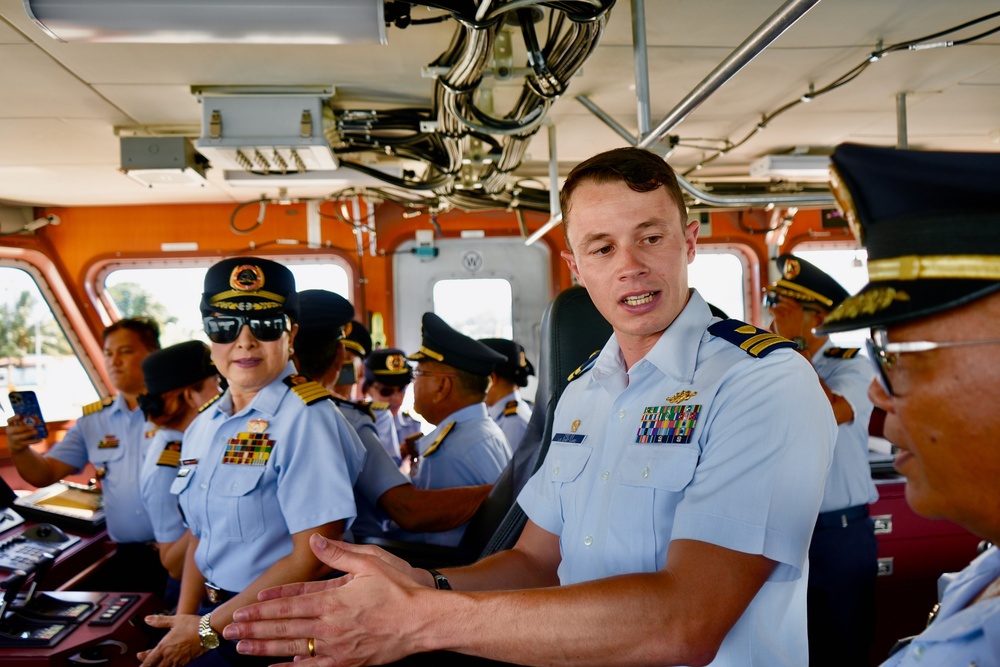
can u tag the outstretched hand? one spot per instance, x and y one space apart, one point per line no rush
353 620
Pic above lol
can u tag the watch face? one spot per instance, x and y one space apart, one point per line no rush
209 638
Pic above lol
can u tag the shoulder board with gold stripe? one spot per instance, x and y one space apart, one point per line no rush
842 352
360 406
309 391
591 360
510 409
755 342
378 405
171 455
438 440
209 403
97 406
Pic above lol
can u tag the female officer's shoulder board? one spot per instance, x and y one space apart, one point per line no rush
755 342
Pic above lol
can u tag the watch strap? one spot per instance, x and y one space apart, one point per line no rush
440 581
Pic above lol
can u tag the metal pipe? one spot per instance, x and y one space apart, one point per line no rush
554 209
641 58
901 138
817 198
608 120
770 30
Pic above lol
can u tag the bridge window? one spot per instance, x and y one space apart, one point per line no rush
849 267
35 353
720 276
478 307
171 293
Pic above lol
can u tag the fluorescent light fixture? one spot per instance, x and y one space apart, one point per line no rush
794 166
162 161
211 21
330 178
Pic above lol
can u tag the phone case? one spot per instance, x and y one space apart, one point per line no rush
25 404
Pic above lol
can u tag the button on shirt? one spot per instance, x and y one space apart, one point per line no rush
962 634
700 441
513 426
850 480
113 439
244 514
158 473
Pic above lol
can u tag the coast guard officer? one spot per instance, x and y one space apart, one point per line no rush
843 554
111 435
387 375
449 387
264 467
381 492
357 342
507 408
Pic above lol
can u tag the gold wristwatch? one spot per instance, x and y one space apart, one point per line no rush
209 637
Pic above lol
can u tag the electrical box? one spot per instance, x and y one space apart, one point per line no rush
265 134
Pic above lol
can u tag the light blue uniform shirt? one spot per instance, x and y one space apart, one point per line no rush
378 475
961 635
158 473
474 451
406 425
850 480
385 428
512 425
113 439
244 514
735 454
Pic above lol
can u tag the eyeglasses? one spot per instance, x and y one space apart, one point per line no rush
226 328
884 354
420 374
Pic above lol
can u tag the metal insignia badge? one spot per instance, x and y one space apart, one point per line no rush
792 268
575 425
257 425
395 362
682 396
246 278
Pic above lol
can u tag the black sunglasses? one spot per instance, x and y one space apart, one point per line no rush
226 328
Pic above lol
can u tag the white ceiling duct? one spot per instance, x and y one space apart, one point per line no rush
211 21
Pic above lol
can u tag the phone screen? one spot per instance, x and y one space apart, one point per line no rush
25 405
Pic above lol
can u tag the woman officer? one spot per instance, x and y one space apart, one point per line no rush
180 379
264 467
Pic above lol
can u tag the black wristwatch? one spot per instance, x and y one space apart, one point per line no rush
440 581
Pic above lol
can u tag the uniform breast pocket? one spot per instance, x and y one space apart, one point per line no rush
651 481
237 505
565 465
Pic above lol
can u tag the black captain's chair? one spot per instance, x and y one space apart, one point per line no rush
572 330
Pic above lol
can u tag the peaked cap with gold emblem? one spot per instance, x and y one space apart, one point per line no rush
931 224
389 367
249 286
516 368
441 343
806 283
323 314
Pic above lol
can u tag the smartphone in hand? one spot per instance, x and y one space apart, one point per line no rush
25 404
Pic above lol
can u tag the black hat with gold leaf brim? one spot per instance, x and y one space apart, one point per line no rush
388 366
249 286
931 224
441 343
